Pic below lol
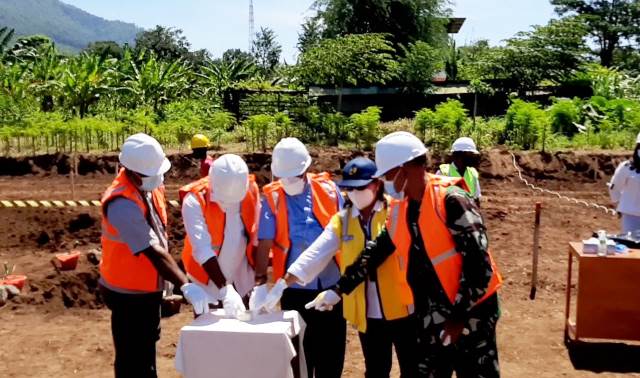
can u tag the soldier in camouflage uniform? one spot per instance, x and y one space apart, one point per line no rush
458 336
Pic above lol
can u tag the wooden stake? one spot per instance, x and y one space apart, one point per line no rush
536 248
73 177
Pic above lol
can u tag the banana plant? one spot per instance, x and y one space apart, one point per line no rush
45 80
154 82
218 76
85 80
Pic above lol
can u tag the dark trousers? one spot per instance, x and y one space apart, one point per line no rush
325 335
135 327
473 355
377 345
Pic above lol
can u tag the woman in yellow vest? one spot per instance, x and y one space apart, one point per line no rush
380 308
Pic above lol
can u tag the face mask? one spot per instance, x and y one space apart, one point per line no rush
293 185
152 182
361 198
390 188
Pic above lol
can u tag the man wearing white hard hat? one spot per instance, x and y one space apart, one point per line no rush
439 234
135 258
298 206
624 189
464 158
220 214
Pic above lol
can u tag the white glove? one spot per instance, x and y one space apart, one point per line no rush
258 297
324 301
196 296
275 294
231 300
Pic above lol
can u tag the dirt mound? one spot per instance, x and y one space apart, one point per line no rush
496 163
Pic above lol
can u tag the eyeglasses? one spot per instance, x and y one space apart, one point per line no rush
356 189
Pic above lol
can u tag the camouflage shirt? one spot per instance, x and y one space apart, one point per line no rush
469 234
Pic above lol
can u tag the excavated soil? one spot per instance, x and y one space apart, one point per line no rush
59 326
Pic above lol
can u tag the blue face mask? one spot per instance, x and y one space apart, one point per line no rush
389 187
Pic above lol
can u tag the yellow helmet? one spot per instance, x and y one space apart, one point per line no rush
199 141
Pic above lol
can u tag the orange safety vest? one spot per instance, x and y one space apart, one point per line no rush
324 194
438 242
119 267
215 218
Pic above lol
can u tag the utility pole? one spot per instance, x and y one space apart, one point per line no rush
251 25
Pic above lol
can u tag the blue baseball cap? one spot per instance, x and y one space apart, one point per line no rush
358 173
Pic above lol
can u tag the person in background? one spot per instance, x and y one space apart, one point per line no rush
624 189
220 215
464 158
381 309
296 209
437 231
199 146
135 258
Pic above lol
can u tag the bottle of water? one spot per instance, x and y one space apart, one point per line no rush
602 243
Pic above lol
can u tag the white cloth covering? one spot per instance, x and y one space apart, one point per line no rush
624 189
218 346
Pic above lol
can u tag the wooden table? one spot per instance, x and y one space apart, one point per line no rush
608 298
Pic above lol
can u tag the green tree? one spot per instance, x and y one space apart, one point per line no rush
46 73
217 76
311 34
357 60
552 52
266 50
166 43
234 55
406 21
420 63
610 22
111 48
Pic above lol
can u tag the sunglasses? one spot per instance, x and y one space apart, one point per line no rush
359 188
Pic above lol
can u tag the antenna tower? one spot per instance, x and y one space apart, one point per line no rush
251 25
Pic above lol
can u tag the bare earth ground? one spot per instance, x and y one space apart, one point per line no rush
59 327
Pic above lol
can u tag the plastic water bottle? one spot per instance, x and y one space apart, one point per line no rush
602 243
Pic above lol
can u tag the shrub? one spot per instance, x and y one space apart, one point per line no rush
564 114
364 127
441 127
257 129
335 127
526 124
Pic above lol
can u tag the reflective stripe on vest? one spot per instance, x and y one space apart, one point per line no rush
438 242
215 219
324 194
395 295
119 267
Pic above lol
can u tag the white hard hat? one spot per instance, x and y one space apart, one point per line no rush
290 158
228 179
464 144
638 139
143 154
396 149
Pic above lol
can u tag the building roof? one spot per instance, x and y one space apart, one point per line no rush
455 24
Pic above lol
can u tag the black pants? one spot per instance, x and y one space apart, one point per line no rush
377 345
135 327
325 335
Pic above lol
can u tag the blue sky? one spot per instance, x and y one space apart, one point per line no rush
221 24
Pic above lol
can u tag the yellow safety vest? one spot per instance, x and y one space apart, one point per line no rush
395 294
470 176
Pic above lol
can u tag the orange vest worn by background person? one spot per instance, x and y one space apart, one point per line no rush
437 239
324 194
119 268
215 218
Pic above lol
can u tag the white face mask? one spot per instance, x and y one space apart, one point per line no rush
293 186
362 198
151 183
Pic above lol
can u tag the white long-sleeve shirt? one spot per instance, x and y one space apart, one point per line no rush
315 258
232 257
624 189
